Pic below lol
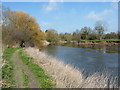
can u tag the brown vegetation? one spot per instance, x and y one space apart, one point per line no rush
66 76
19 26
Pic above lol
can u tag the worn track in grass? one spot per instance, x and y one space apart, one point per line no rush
18 77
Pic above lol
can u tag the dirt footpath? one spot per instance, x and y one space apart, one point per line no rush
18 76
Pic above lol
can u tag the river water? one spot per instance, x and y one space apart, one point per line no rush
91 60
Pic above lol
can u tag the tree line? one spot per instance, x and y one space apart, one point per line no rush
18 27
85 33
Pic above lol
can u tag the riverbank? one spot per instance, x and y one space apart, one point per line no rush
101 42
7 68
20 71
65 76
104 42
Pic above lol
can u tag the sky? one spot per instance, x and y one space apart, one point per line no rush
69 16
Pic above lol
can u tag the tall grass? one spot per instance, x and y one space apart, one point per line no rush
65 76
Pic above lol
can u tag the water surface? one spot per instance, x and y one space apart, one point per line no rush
91 60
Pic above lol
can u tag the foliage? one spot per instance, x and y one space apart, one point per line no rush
77 35
88 34
52 35
85 32
111 35
92 36
62 37
68 37
19 26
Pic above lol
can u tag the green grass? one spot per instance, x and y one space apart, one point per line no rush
41 76
26 79
8 68
8 71
103 40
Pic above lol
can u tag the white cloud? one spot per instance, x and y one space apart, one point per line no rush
98 16
46 24
51 6
105 13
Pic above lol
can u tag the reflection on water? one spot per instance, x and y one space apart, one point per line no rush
95 59
100 48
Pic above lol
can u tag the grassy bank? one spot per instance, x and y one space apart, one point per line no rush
41 76
8 68
65 76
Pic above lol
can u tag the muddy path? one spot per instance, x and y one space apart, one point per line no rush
18 77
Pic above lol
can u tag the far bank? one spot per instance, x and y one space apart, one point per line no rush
107 42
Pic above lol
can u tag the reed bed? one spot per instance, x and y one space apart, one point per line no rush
66 76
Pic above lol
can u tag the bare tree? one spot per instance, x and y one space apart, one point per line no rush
100 28
77 35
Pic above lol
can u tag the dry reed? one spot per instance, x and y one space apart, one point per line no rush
65 76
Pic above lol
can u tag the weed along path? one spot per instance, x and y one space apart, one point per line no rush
20 67
21 71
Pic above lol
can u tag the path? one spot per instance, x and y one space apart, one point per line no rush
19 80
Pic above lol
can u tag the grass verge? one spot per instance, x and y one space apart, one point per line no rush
26 79
8 68
8 77
41 76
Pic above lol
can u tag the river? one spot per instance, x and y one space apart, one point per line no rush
91 60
